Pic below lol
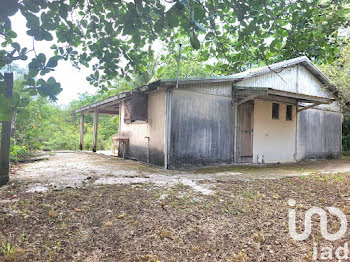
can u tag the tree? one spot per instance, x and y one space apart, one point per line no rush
191 64
117 36
339 73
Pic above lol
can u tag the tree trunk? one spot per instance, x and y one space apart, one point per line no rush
6 136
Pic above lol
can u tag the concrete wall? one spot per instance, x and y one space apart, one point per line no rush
273 139
319 134
156 122
201 124
154 129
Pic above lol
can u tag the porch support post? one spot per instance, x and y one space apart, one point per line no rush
120 121
81 146
235 121
94 141
6 135
296 130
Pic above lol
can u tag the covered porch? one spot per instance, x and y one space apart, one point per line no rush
135 109
109 106
266 123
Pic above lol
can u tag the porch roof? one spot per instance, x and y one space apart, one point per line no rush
245 94
110 105
266 92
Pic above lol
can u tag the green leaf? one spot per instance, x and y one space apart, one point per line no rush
31 6
8 7
41 58
46 35
16 46
45 71
194 41
171 17
53 61
33 22
160 71
33 72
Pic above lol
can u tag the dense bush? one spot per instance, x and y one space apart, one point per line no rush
346 134
18 152
42 125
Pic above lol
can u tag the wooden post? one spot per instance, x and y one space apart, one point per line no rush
81 146
6 136
94 141
235 127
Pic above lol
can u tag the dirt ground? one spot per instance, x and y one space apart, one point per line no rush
74 169
90 207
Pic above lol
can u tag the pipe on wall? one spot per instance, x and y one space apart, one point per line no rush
148 150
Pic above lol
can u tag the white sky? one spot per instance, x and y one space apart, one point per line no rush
72 80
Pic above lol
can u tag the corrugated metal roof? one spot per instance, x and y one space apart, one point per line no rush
230 78
259 71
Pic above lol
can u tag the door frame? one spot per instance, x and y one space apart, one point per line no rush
236 145
246 159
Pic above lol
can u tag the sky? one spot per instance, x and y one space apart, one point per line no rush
72 80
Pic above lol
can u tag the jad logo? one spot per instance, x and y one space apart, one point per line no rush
326 253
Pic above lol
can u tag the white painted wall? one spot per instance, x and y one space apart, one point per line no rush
273 138
136 133
154 128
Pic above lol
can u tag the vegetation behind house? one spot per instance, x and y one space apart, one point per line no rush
43 125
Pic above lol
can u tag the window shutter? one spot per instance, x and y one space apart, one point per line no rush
127 111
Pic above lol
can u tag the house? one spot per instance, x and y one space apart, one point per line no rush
284 112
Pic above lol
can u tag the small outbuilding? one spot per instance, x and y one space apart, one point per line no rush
285 112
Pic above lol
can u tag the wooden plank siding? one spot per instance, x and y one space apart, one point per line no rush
201 124
319 134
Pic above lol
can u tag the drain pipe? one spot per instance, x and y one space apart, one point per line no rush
178 67
148 152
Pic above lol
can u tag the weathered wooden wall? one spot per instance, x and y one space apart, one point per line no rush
285 80
319 134
292 79
201 124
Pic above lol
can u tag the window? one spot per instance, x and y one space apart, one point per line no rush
135 107
289 112
275 111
